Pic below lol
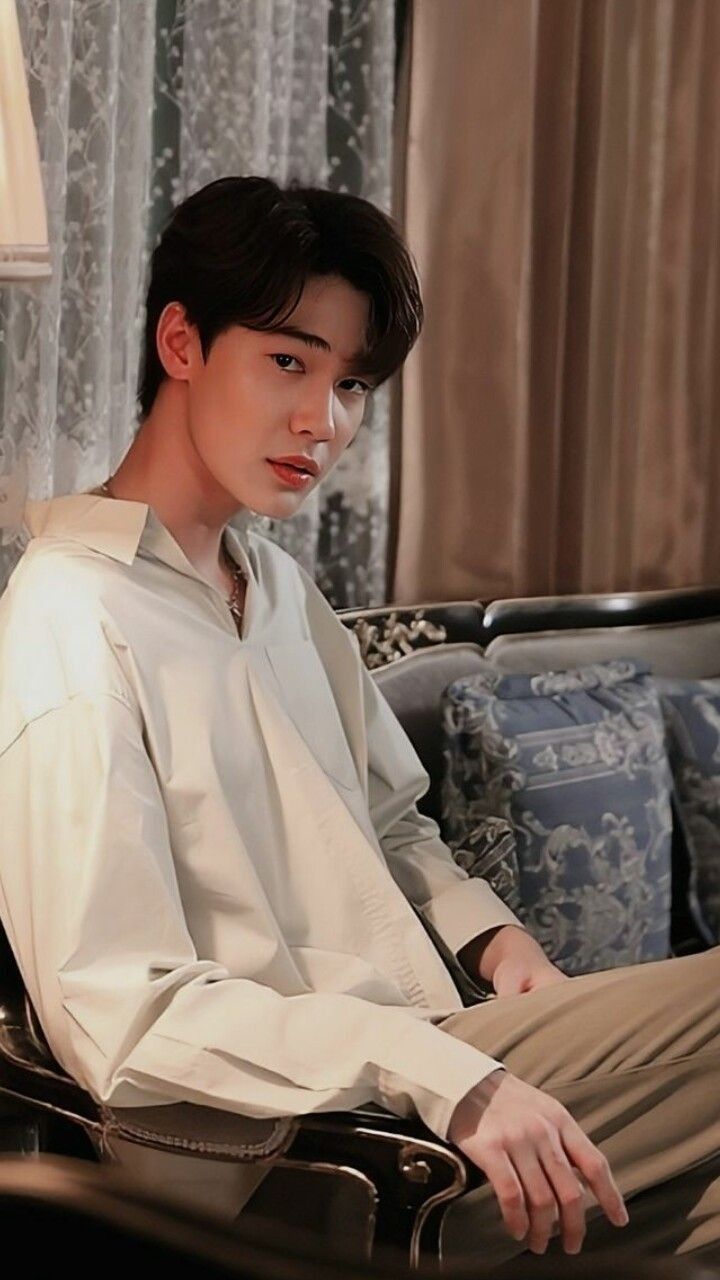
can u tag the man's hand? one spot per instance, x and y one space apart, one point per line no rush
523 968
537 1159
510 958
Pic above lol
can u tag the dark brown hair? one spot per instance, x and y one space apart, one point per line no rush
239 251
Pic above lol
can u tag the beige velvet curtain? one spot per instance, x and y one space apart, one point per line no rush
558 182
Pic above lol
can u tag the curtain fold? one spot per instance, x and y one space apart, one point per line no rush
559 425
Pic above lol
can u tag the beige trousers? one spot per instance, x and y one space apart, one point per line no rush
634 1055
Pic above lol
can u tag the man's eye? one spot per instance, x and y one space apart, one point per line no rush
283 355
364 388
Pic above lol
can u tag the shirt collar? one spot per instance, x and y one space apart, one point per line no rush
117 527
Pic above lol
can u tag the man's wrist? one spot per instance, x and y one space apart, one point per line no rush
468 1112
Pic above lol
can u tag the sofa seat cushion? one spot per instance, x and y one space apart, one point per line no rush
575 762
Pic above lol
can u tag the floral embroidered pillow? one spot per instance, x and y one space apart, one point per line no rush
574 764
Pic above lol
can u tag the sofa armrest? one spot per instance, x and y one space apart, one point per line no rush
412 1174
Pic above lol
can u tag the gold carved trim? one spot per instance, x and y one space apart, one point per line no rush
394 635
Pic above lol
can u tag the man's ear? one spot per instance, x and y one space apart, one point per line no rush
178 342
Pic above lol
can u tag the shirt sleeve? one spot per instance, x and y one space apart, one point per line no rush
458 905
91 904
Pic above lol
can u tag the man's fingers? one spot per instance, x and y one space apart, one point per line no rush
540 1197
569 1193
595 1169
537 1188
508 1191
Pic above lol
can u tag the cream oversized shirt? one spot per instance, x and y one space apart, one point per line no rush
210 841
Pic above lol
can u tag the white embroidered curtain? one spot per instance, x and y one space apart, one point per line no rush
136 103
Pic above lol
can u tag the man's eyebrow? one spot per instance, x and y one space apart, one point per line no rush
313 340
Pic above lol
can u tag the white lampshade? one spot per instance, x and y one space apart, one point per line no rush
24 250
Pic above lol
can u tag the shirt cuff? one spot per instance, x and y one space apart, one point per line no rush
466 910
429 1071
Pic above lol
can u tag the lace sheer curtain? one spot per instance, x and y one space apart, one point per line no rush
136 104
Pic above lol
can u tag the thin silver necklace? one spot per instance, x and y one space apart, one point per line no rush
239 575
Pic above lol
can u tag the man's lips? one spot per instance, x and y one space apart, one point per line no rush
290 475
300 461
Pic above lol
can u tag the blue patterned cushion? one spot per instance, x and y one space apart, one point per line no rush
692 713
575 763
490 853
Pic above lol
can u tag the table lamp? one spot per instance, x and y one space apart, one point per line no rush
24 250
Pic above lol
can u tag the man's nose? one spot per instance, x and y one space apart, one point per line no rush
317 416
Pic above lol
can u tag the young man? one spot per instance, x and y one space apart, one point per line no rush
217 861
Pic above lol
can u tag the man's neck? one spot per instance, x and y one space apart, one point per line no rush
161 468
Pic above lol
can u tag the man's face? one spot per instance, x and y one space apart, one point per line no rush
264 395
